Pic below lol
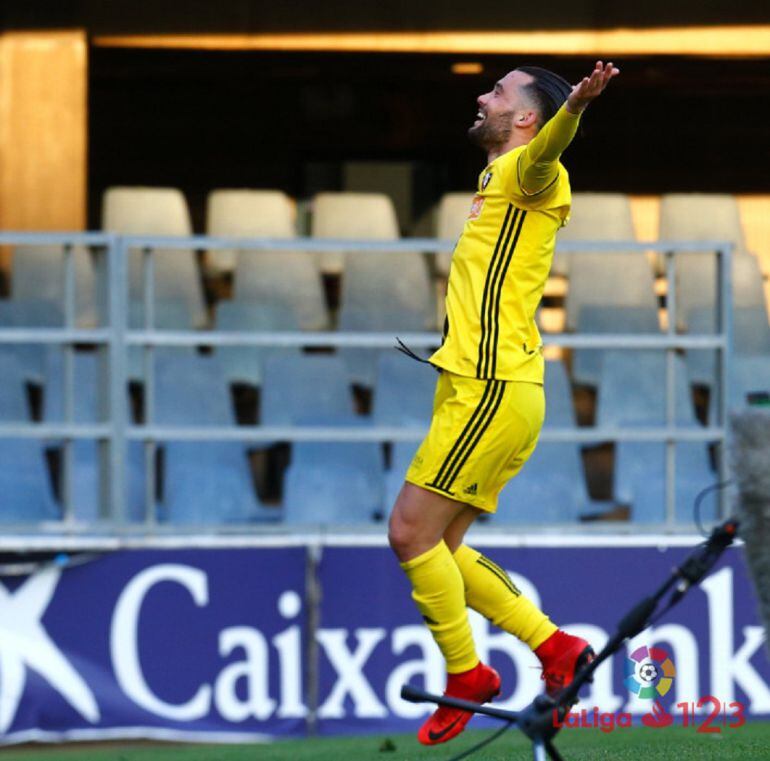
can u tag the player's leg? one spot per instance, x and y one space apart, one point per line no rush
417 526
416 529
488 588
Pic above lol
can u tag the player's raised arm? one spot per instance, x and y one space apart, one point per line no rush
538 165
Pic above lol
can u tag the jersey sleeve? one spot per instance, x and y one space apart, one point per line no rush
535 169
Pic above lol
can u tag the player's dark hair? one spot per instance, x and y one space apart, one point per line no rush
548 90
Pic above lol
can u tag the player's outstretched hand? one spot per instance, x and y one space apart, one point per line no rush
590 87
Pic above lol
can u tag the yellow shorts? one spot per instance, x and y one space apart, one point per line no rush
481 434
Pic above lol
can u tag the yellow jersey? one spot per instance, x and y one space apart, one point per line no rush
502 259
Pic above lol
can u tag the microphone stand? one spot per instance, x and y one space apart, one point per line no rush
536 721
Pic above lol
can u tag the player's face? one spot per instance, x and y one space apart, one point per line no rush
497 109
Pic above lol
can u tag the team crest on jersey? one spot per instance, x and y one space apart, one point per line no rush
486 180
476 206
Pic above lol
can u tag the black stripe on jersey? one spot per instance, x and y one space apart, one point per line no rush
465 432
498 294
481 428
499 246
485 562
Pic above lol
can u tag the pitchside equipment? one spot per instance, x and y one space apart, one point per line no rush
537 719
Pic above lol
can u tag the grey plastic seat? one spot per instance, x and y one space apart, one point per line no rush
209 483
361 361
191 389
14 407
586 363
356 216
24 483
334 482
551 487
243 364
697 284
246 214
451 216
632 393
401 455
389 282
157 212
29 314
285 279
621 279
38 273
166 315
594 216
751 337
749 382
87 400
403 392
296 388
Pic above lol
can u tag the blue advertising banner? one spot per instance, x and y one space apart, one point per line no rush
373 640
204 641
213 644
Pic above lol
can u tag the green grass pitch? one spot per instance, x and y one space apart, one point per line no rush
748 743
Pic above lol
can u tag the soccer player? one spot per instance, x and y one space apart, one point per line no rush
489 403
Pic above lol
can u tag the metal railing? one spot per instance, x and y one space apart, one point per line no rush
115 338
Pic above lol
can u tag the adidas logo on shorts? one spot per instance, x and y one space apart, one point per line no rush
472 489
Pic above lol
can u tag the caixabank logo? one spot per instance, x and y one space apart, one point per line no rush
195 641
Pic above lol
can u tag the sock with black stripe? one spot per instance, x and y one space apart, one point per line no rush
490 591
437 588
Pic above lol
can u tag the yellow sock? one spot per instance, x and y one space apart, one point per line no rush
490 591
437 588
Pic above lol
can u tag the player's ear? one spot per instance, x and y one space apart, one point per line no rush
525 119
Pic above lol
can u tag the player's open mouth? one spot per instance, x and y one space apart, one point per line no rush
480 116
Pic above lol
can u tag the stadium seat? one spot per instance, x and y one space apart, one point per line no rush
86 490
632 393
357 216
24 483
209 483
29 314
586 363
296 388
403 391
243 364
621 279
284 279
751 337
389 282
749 382
451 215
362 362
38 273
701 216
246 214
594 216
14 407
401 455
190 389
696 284
166 315
639 480
632 389
551 486
334 482
161 212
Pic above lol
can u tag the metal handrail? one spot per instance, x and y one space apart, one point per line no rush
116 338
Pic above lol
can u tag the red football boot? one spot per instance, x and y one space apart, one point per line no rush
562 656
480 685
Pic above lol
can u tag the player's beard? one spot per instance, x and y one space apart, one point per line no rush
493 132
